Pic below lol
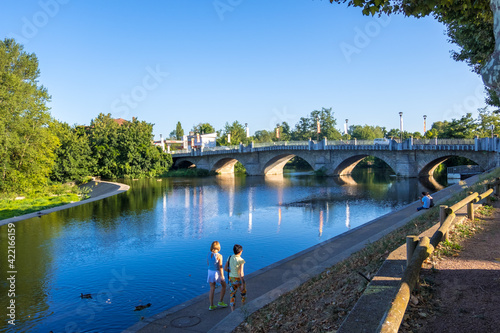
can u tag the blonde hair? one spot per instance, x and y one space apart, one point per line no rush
215 246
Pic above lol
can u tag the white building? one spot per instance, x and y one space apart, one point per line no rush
199 140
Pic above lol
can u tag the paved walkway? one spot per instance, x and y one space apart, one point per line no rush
267 284
100 190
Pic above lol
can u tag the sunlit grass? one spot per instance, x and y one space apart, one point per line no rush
55 195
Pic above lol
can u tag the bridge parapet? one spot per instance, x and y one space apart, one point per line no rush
477 144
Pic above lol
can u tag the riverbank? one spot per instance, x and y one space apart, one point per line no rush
98 190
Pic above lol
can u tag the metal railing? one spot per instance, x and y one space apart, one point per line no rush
464 169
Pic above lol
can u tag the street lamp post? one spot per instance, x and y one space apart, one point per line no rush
277 131
401 125
318 129
425 118
247 132
346 126
492 129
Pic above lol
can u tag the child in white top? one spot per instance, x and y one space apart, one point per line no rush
215 275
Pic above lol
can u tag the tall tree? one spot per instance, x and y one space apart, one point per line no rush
179 132
26 142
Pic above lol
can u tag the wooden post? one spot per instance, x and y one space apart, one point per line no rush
442 217
489 199
411 245
470 210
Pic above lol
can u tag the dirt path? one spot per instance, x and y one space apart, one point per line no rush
464 289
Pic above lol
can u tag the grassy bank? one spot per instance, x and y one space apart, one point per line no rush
53 196
322 303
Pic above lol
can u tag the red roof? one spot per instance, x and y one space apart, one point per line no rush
120 121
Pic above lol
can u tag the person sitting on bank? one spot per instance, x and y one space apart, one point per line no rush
426 200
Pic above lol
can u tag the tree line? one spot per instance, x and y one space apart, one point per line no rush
37 150
466 127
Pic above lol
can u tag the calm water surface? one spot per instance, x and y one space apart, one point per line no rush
149 245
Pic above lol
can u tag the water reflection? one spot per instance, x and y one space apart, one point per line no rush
148 234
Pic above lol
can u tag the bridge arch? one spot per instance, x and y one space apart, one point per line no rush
427 170
185 164
275 165
346 166
224 165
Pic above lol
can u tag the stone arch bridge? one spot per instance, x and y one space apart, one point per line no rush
411 158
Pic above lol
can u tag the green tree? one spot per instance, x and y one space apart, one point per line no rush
203 128
302 131
366 132
237 131
179 132
307 128
327 124
138 157
285 132
125 150
74 159
395 133
103 135
263 136
486 120
26 142
463 128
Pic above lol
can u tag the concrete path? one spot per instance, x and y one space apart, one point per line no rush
99 190
267 284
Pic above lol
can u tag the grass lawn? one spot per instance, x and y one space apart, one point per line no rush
12 207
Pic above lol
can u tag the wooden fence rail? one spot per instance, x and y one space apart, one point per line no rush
417 252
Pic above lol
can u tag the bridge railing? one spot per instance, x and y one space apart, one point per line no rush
436 141
280 143
465 169
180 151
482 144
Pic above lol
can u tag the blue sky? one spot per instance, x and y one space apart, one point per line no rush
258 62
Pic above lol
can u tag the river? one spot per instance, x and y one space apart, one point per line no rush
149 245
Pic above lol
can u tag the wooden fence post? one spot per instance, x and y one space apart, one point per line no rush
411 245
442 217
470 210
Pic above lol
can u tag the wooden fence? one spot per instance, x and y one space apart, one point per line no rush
419 249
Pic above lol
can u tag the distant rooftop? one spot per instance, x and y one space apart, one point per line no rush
120 121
